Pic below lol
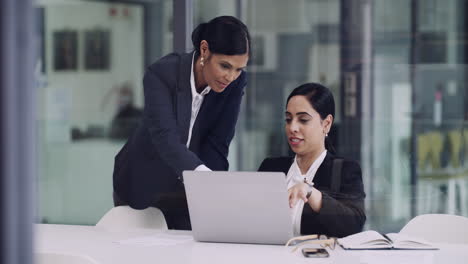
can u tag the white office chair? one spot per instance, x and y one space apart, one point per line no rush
438 228
59 258
125 217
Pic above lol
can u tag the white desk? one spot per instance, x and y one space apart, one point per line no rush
100 244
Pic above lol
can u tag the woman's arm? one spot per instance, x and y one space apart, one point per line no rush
342 213
160 119
215 148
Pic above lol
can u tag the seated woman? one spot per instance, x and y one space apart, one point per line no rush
320 205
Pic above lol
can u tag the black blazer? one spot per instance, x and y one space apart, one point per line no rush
152 160
342 213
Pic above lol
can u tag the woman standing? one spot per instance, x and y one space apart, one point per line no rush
320 204
192 103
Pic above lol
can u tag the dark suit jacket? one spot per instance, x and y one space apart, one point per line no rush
342 213
152 160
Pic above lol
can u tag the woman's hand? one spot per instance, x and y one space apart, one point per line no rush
298 192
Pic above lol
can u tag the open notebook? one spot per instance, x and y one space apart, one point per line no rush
374 240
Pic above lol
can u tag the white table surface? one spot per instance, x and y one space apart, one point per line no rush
101 245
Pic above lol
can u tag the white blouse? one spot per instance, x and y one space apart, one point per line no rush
294 177
197 100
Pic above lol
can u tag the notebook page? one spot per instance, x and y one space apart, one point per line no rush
366 239
404 241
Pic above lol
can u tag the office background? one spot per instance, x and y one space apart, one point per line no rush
396 69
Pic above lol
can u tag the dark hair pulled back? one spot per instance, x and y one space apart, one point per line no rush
321 100
225 35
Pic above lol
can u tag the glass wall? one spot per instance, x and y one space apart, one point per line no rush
419 110
390 193
440 105
90 68
293 43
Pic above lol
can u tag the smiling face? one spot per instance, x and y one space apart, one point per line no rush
219 70
304 127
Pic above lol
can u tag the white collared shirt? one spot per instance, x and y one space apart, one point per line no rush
294 177
197 100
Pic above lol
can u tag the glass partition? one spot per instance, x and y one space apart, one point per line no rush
92 59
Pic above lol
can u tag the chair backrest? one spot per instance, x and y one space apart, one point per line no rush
125 217
438 228
59 258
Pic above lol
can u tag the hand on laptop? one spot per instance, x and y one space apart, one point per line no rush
298 192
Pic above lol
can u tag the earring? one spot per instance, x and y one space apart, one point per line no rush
326 134
201 62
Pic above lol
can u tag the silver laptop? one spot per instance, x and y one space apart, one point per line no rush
238 207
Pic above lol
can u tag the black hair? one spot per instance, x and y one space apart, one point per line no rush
225 35
321 100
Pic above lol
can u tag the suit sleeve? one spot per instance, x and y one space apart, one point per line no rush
342 213
216 148
160 119
265 165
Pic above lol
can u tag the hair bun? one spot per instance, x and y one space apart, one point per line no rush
225 35
197 34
